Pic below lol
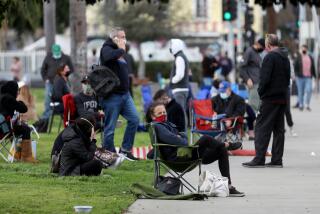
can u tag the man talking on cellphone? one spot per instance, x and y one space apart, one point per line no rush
119 102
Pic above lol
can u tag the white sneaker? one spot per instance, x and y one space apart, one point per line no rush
293 133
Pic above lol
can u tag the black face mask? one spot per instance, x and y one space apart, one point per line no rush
259 50
304 51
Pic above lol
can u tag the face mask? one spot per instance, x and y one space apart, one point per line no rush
304 51
86 88
161 119
259 50
224 95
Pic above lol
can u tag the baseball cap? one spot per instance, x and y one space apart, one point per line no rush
56 51
85 79
223 86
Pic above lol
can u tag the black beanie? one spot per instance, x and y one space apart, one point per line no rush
10 87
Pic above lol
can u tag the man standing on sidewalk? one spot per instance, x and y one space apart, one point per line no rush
273 86
250 71
119 102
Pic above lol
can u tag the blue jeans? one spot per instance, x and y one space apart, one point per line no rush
304 85
113 106
47 96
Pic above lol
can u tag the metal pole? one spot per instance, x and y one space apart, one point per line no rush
302 18
231 46
317 43
239 26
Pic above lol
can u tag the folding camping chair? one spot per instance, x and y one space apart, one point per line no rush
206 122
53 106
6 137
177 168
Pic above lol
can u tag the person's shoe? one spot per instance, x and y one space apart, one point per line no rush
234 146
293 133
274 165
308 108
128 155
253 164
233 192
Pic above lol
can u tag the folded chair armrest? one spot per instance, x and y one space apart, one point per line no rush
217 117
176 146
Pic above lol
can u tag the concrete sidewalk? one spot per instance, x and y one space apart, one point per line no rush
292 189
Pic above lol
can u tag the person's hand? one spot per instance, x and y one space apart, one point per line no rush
228 123
249 83
121 43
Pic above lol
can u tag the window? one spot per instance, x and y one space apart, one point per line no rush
201 8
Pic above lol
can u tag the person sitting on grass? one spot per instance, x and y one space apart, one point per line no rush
79 146
209 149
174 110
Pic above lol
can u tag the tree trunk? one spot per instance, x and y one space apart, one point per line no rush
272 20
78 31
142 65
4 34
49 20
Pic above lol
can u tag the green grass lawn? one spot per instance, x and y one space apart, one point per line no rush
30 188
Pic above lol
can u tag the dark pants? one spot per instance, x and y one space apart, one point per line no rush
91 168
23 131
251 116
288 111
270 120
211 150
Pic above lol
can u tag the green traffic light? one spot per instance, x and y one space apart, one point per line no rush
298 23
227 16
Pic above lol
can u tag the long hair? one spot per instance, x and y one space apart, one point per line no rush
150 110
61 68
26 95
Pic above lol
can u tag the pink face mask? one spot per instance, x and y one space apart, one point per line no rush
161 119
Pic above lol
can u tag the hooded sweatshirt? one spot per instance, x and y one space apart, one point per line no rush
250 67
179 80
112 57
8 102
275 76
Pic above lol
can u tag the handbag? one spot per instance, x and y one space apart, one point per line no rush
107 158
213 185
169 185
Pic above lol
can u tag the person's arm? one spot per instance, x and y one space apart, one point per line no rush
11 103
265 74
313 71
239 107
44 69
244 65
81 152
167 137
108 53
180 68
70 64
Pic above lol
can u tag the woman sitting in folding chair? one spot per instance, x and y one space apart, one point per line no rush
209 149
8 106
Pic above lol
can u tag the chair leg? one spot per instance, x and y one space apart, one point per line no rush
199 176
51 119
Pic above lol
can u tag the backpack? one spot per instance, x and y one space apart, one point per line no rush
103 80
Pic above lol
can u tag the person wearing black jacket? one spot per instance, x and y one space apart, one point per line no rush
79 146
174 110
119 102
227 102
8 105
209 150
48 72
273 88
60 87
87 103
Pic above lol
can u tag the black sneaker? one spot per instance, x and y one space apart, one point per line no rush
253 164
233 192
128 155
234 146
274 165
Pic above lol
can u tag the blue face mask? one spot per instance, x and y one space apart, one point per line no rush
224 95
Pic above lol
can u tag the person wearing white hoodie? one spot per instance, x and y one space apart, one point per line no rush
179 79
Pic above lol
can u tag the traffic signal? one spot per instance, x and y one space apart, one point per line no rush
249 18
229 10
